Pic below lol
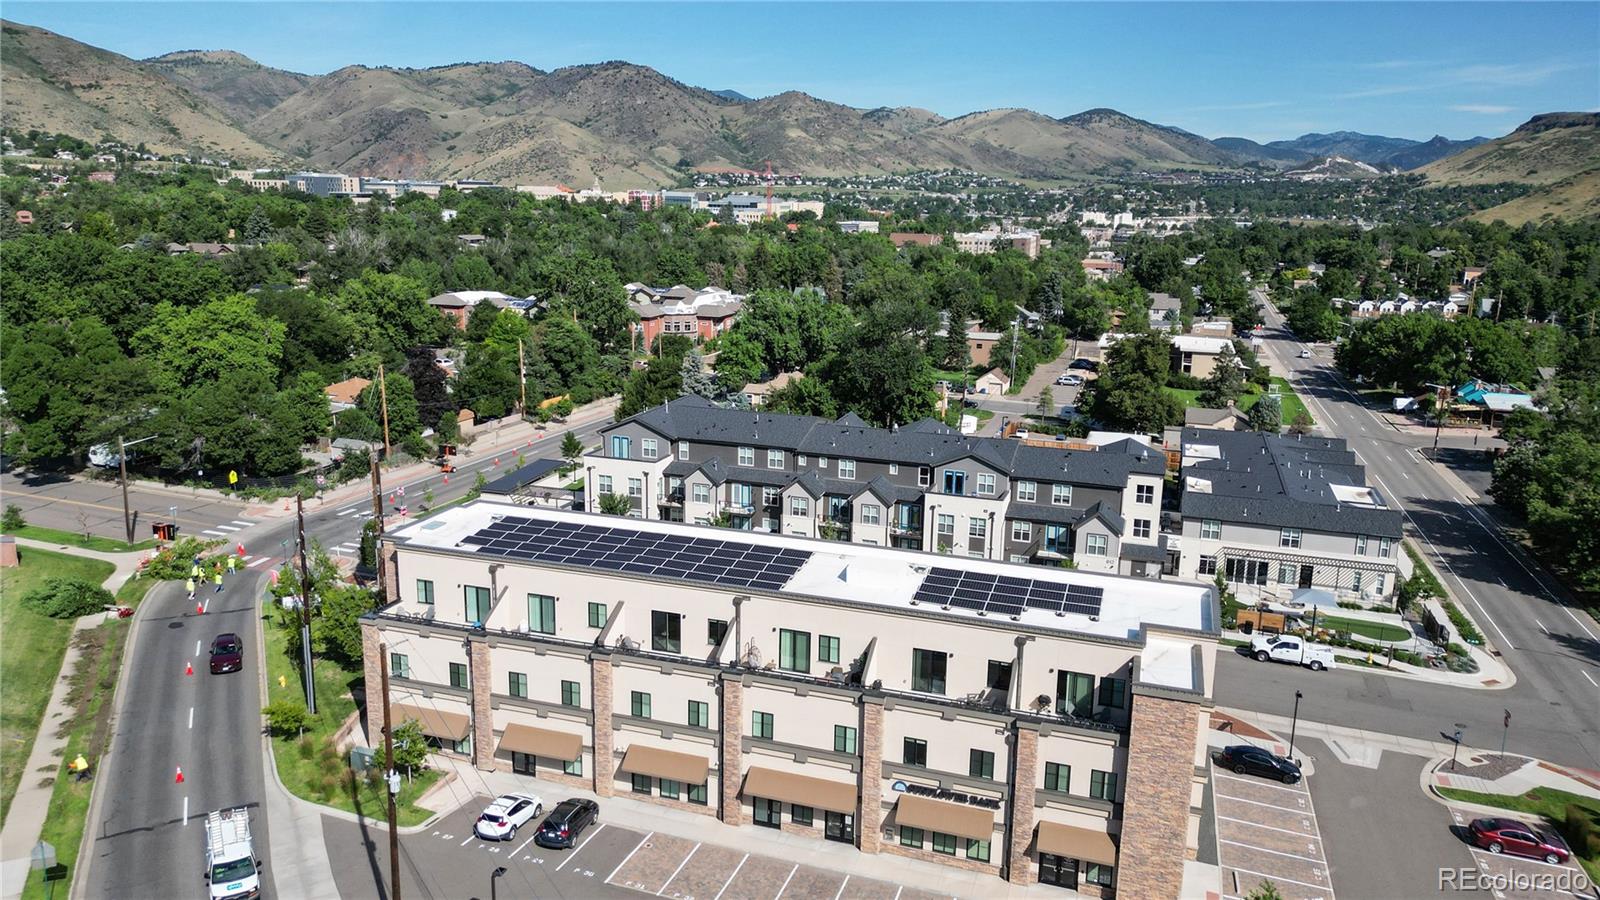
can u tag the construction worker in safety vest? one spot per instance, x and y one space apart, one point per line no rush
216 578
79 767
233 561
190 585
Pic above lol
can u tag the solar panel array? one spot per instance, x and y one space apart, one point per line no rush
1006 595
731 563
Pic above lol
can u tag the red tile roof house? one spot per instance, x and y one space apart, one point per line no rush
457 305
701 314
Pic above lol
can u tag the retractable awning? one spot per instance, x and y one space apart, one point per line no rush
438 723
1078 843
946 818
835 796
541 742
684 768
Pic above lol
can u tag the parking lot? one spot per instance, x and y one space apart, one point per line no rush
1267 831
1516 877
449 861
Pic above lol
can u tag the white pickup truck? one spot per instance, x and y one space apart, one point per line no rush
1291 649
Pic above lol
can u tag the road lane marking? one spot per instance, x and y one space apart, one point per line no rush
214 533
675 872
191 717
259 561
736 874
779 895
1259 782
242 523
524 844
186 811
580 847
629 856
897 889
346 512
1541 626
1590 680
196 646
1300 811
467 841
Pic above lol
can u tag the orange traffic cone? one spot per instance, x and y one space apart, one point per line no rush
188 668
447 479
286 506
180 776
200 609
497 462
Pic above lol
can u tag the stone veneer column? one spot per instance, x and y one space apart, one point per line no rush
372 678
601 703
391 574
1024 779
1155 808
869 808
730 768
482 713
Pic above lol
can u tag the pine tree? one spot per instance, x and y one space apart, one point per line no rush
696 380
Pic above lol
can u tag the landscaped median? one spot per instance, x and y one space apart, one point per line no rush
1576 816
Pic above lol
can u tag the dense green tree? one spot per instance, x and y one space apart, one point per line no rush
389 314
1266 414
1225 384
739 360
488 382
804 397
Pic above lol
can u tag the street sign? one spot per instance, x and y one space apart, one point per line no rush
44 855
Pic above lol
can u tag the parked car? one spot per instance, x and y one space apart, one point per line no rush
1291 648
227 654
1087 365
1305 353
508 812
1246 759
568 820
1519 838
1071 380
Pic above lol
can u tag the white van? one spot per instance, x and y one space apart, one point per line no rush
1292 649
232 870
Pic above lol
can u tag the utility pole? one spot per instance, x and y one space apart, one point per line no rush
122 467
1013 350
391 779
522 375
377 518
383 401
305 608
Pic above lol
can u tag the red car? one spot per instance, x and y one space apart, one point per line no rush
1519 838
227 654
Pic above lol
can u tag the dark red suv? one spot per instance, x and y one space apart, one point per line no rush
227 654
1519 838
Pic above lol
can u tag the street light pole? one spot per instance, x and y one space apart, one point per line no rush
1294 722
498 871
391 778
122 468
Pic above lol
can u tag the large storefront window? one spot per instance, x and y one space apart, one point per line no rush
1060 871
767 813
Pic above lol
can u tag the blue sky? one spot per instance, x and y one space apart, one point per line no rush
1258 70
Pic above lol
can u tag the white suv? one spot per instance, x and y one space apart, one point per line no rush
502 818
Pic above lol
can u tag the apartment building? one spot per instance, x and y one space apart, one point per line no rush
1276 514
699 314
922 486
1037 724
325 184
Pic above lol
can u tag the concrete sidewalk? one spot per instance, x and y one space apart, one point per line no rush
126 563
1491 773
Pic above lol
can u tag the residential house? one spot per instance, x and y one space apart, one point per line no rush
1197 356
472 240
867 226
903 238
1228 418
756 392
457 305
1101 269
103 177
343 395
994 381
701 314
1165 311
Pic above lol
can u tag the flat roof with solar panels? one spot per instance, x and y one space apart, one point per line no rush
1042 597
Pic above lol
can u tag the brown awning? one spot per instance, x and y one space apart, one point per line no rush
802 789
680 767
946 818
1086 844
541 742
450 726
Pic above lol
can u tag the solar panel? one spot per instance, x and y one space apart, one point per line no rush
1006 595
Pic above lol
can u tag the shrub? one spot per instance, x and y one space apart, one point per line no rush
172 562
307 746
285 718
1577 828
12 521
67 598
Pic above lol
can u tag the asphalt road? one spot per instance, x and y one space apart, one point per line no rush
1553 649
95 503
150 833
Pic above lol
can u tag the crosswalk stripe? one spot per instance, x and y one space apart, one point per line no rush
258 562
228 528
242 523
216 533
346 548
346 512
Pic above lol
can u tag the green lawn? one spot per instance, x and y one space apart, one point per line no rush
31 647
1547 802
1377 631
76 539
301 767
1291 402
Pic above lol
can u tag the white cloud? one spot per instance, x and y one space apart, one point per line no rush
1490 74
1487 109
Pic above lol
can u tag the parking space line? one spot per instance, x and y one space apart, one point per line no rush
1268 827
897 889
1258 781
779 895
692 851
583 845
1301 811
1320 887
1311 859
1526 859
625 858
735 875
840 893
468 840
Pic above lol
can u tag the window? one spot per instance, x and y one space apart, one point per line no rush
1103 785
955 481
914 752
774 459
697 794
924 476
635 487
647 448
603 484
519 685
977 528
998 675
978 850
1016 558
822 462
641 784
1361 545
1377 585
827 649
1355 582
666 632
1113 692
761 725
619 446
871 513
1097 873
1094 544
683 450
1022 532
669 789
572 766
1208 565
1057 777
1144 493
985 484
1289 537
1027 491
1058 540
799 506
980 764
597 615
1061 494
1288 573
794 650
477 603
946 525
1075 694
699 714
424 591
767 813
894 468
927 671
1210 530
844 739
458 675
799 459
399 665
1245 571
847 469
910 837
1384 546
541 614
747 456
1141 528
700 493
801 815
641 705
571 694
944 843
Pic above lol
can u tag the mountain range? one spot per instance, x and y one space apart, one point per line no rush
617 123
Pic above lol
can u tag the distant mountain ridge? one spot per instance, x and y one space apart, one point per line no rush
1376 150
1558 152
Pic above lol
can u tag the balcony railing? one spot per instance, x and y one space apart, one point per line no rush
670 498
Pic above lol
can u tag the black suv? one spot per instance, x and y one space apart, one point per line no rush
1244 758
568 820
